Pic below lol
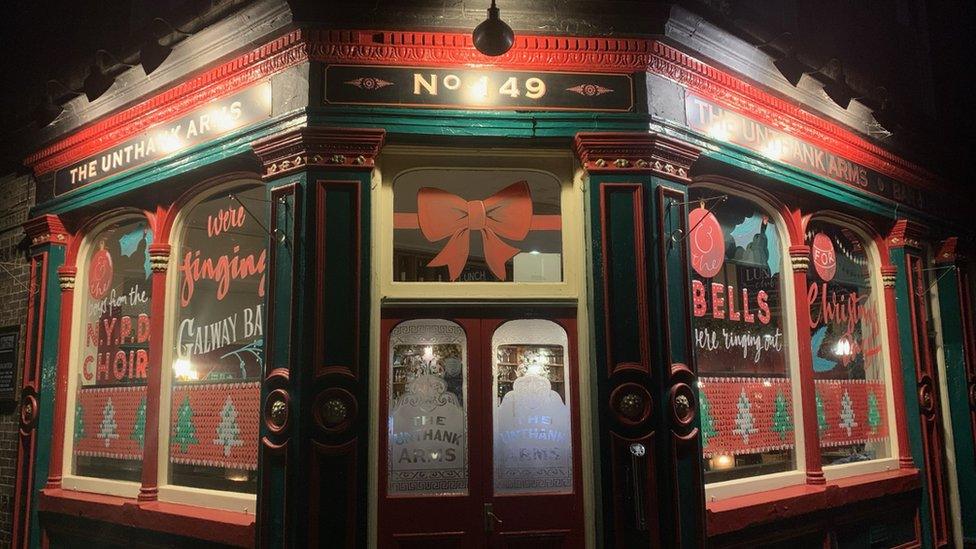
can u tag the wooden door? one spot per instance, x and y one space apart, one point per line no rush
480 446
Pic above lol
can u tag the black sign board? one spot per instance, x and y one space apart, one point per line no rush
477 89
732 127
9 337
199 125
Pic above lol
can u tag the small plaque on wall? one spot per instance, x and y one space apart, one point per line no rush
9 338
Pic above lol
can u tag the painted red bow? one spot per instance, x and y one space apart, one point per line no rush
507 213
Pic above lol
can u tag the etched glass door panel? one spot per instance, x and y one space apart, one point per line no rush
428 418
531 409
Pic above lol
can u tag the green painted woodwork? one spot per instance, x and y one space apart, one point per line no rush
950 314
50 339
906 346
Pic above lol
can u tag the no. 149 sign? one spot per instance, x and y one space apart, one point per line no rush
477 89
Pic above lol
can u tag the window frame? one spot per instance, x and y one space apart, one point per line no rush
167 493
559 163
175 493
715 491
69 480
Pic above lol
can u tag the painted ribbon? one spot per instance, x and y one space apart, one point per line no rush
507 213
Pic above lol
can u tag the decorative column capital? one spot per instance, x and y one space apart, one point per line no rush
66 277
301 148
949 252
907 233
159 256
46 229
636 152
800 258
889 274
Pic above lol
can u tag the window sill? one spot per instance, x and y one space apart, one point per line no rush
738 513
212 525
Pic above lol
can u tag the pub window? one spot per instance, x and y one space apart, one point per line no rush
212 390
848 346
477 225
106 416
741 297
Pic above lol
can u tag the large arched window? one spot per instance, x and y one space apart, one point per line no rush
847 325
106 418
742 318
216 347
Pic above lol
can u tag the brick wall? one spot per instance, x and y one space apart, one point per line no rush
16 198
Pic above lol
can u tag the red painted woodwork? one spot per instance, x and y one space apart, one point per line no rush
930 405
800 261
208 525
635 153
554 520
636 191
159 258
347 149
888 274
66 273
737 513
621 55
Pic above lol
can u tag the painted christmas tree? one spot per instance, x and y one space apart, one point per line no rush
108 430
707 421
184 432
744 421
821 415
228 431
847 413
79 422
139 430
874 416
782 423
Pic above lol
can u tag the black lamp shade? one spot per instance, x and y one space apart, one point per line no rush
97 82
152 54
493 37
838 93
791 69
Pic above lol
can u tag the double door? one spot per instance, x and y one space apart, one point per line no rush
480 446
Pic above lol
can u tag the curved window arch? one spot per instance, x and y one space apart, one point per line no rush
109 364
213 359
848 344
744 339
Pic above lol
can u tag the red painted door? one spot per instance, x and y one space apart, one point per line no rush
481 442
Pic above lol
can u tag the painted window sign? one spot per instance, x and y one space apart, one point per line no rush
745 390
532 432
476 225
217 354
110 406
428 418
846 343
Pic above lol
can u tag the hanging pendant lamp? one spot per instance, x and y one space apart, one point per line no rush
493 37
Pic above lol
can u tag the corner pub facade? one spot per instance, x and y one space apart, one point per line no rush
344 285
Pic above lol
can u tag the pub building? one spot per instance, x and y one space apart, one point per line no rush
348 280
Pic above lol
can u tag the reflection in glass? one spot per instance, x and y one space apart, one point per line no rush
109 415
846 343
428 420
532 427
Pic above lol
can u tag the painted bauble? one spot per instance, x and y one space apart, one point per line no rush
100 273
824 258
706 242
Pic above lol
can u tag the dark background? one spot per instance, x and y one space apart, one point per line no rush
918 51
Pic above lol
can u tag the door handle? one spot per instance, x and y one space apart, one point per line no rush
490 519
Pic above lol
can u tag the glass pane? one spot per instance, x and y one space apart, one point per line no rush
476 225
217 348
533 443
428 415
847 331
110 408
745 390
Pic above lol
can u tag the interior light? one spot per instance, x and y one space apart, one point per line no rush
722 461
184 371
493 37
